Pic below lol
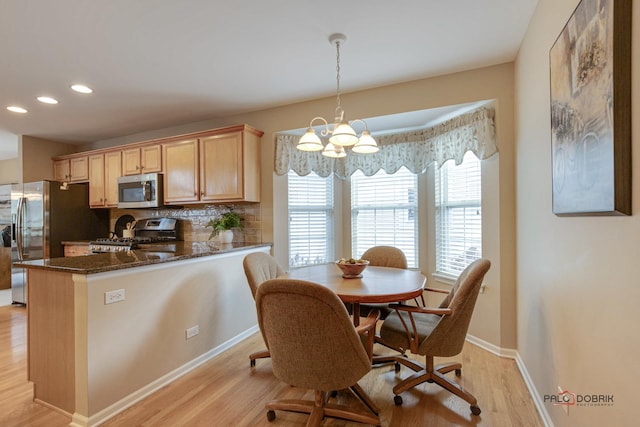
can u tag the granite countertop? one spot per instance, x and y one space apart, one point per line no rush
146 255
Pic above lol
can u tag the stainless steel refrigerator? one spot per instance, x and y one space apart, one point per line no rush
44 214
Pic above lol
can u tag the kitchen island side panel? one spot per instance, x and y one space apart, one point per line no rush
92 360
133 342
50 334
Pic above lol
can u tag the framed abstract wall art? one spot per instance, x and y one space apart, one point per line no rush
590 70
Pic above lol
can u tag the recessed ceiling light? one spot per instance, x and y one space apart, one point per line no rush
82 88
47 100
16 109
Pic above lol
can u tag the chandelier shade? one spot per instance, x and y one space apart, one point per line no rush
342 134
310 141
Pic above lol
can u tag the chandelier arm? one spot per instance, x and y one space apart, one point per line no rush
351 122
325 131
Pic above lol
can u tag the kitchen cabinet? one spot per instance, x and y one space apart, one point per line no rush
215 167
223 173
77 249
146 159
104 170
96 180
180 165
71 169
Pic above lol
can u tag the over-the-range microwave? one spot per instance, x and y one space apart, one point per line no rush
140 191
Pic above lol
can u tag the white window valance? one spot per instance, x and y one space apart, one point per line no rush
415 150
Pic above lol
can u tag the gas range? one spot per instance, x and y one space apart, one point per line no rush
148 231
123 244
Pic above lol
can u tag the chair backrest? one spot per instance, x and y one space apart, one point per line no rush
311 339
447 338
259 267
385 256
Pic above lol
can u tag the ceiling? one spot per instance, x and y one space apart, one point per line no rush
162 63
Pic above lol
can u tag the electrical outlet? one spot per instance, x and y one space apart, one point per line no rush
113 296
192 332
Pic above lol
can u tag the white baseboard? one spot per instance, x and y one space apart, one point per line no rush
513 354
537 400
78 420
492 348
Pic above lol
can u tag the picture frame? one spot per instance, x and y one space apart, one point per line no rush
590 94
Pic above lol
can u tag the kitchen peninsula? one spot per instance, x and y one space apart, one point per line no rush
106 330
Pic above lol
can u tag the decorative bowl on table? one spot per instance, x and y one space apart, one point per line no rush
352 268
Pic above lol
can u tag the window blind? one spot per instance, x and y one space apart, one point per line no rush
384 212
311 220
458 215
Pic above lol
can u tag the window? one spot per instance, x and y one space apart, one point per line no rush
310 219
458 215
384 212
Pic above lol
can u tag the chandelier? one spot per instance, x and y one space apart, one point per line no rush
342 134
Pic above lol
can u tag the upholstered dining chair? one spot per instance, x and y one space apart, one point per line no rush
383 256
259 267
314 345
435 332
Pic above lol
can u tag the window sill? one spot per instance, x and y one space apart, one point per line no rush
441 278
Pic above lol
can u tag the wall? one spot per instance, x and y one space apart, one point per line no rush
577 280
494 320
36 153
9 171
130 348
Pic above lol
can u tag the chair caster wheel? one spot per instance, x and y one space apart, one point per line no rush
458 372
475 410
271 415
252 363
396 367
397 400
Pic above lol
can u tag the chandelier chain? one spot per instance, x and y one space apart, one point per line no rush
339 107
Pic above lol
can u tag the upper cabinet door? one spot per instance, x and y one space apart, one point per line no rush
79 167
180 165
230 167
151 158
61 171
96 181
112 171
221 168
131 161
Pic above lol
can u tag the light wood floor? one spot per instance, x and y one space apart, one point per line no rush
226 392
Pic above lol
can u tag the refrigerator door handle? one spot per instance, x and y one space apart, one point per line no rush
20 228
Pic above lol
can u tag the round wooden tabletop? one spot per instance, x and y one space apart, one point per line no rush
377 284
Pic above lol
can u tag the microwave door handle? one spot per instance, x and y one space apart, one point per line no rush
144 190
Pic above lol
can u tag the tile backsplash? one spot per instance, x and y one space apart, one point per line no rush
192 220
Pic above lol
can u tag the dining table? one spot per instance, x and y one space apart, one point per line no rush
377 284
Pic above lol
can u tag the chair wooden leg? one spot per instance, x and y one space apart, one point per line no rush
448 367
364 397
320 408
436 375
412 381
412 364
258 355
454 388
